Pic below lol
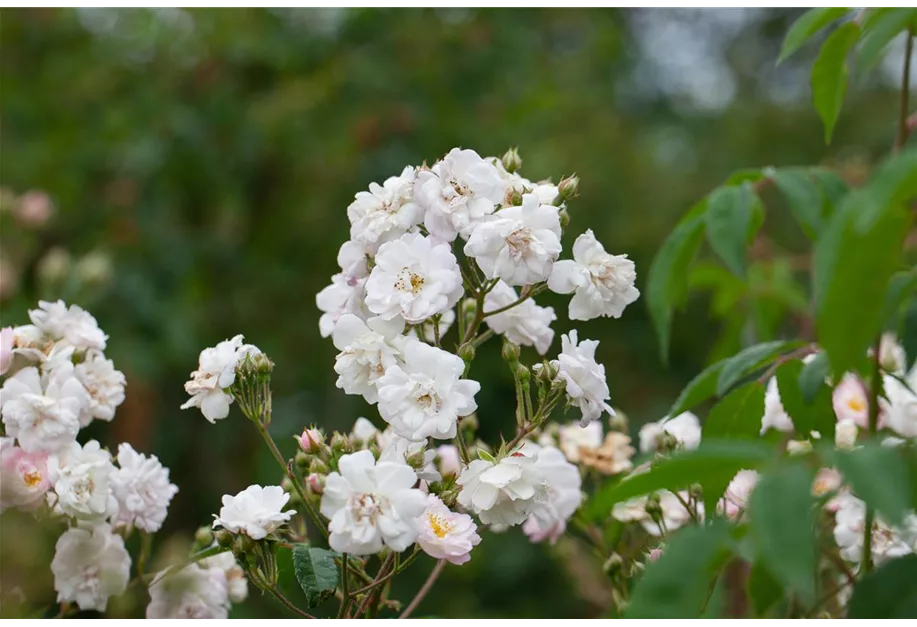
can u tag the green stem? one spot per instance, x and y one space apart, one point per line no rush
903 128
874 388
288 604
345 596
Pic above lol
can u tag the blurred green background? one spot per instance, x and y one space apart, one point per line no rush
184 175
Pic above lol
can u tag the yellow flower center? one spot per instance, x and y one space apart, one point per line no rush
409 281
856 404
440 526
31 478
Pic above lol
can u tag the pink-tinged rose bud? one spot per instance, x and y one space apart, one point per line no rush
23 478
655 554
450 462
316 483
311 440
851 401
7 339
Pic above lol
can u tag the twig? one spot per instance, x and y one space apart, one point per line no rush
289 605
904 129
345 596
424 589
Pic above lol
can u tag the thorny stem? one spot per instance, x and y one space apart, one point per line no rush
424 589
463 450
286 602
381 576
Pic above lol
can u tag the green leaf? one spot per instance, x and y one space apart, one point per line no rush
782 523
732 214
900 287
763 589
676 585
885 24
746 361
909 334
829 75
316 572
815 414
701 387
878 475
813 375
712 461
738 415
803 197
888 592
668 275
804 28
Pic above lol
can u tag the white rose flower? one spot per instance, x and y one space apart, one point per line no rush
674 513
103 383
891 354
371 504
395 448
887 542
415 277
365 431
215 373
24 480
74 325
236 582
519 244
385 212
850 401
633 510
775 417
426 396
30 343
585 378
7 343
42 421
90 566
255 511
457 193
735 500
684 430
82 481
900 410
574 438
526 324
604 283
450 462
347 290
548 519
368 349
192 592
503 492
846 433
142 488
445 534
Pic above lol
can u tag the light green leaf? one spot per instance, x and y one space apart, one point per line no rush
746 361
676 586
763 589
878 475
829 75
701 387
804 28
887 592
712 461
878 31
803 197
738 415
733 216
668 275
316 572
782 524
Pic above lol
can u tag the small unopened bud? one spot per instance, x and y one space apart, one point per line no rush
203 537
470 423
311 440
613 564
318 467
469 309
524 375
243 544
546 372
466 351
564 218
450 462
654 554
512 198
255 364
568 188
416 460
653 508
302 460
339 443
892 357
618 421
286 484
510 352
316 483
511 160
223 537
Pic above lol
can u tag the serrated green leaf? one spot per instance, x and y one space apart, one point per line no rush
782 523
712 461
885 25
829 75
804 28
763 589
888 592
879 476
316 572
732 216
701 387
668 274
803 197
677 585
746 361
738 415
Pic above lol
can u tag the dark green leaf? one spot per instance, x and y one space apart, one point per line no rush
749 175
763 589
668 275
677 585
747 360
808 416
888 592
701 387
829 75
878 32
900 287
316 572
808 24
732 213
909 334
738 415
813 375
803 197
878 475
782 522
711 461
